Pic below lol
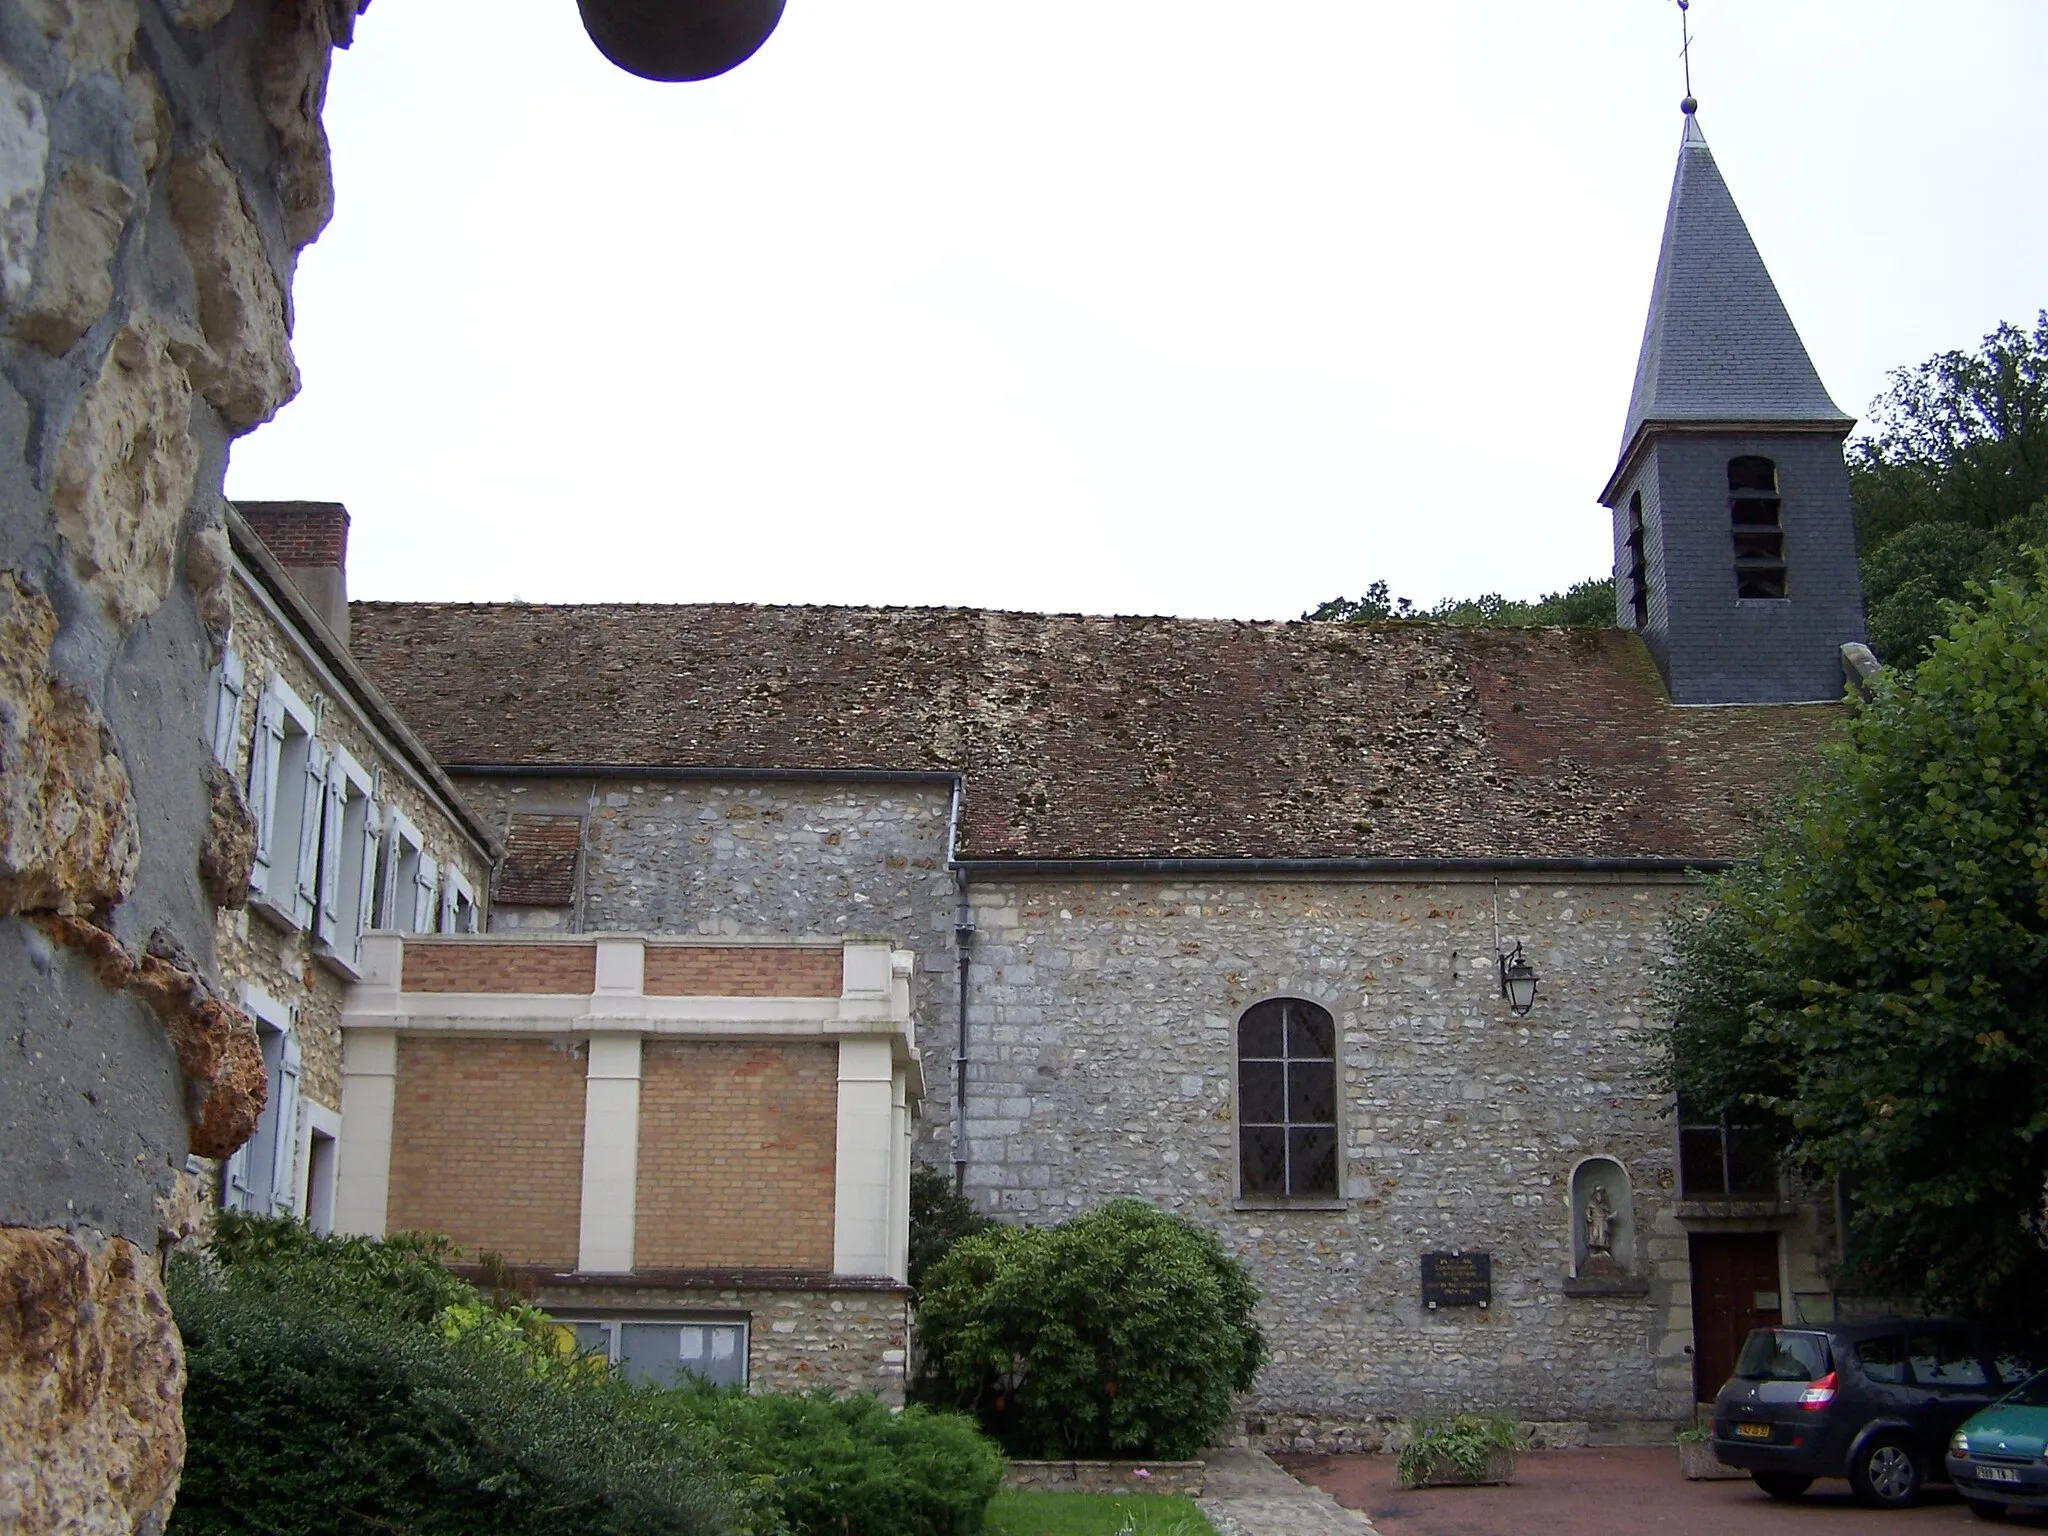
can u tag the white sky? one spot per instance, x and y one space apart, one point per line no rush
1182 306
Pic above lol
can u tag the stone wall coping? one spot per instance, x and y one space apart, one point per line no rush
547 1278
1137 1476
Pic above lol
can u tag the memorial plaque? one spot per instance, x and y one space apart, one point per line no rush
1457 1280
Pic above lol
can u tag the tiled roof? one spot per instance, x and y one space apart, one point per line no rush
1718 345
1089 737
540 861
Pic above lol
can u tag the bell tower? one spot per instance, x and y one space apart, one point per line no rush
1734 542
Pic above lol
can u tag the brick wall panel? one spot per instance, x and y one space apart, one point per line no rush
457 966
487 1145
743 971
737 1155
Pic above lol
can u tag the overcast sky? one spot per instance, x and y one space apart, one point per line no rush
1180 306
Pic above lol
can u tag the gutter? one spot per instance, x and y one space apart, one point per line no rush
1253 868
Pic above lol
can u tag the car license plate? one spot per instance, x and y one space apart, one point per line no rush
1753 1431
1997 1475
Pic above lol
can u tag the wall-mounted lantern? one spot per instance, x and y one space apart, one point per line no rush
679 39
1517 982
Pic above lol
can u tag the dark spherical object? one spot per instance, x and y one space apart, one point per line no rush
679 39
1688 106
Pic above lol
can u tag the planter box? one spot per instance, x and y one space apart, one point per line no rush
1106 1477
1696 1459
1445 1473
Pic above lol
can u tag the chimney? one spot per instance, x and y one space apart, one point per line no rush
310 540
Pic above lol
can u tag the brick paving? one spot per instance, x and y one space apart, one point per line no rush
1618 1492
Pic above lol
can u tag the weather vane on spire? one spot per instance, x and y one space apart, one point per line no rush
1689 105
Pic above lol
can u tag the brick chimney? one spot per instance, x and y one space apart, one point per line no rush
310 540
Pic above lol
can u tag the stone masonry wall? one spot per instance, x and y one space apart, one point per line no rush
1102 1064
161 164
838 1338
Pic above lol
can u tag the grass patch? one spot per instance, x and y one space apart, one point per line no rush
1017 1513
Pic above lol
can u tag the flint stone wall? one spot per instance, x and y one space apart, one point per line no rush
161 163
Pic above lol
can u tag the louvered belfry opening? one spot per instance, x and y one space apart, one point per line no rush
1756 519
1638 564
1287 1101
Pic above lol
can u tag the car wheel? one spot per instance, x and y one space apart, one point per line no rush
1984 1511
1886 1472
1782 1485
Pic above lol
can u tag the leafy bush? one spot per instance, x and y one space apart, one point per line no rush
847 1466
306 1417
1123 1332
1465 1443
939 1218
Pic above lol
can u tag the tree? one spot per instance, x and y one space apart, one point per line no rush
1875 985
939 1218
1950 482
1588 604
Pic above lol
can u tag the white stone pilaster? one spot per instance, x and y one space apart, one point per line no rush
862 1237
611 1154
899 1175
621 968
369 1102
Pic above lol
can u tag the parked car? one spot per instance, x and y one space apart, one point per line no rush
1999 1457
1877 1403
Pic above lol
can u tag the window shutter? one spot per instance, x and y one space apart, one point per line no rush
284 1143
423 894
227 706
327 919
448 898
366 884
264 755
235 1190
314 793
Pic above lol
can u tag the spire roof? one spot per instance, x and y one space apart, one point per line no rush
1718 345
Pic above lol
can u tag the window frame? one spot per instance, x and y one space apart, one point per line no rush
1638 562
459 911
615 1323
229 683
1749 567
350 821
287 766
261 1175
1338 1199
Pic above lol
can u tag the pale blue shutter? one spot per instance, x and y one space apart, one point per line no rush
227 706
327 917
266 753
313 797
366 880
284 1141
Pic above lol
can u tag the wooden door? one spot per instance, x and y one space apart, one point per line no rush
1734 1289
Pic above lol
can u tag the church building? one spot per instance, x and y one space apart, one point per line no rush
1336 939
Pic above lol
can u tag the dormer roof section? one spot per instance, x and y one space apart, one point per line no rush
1719 349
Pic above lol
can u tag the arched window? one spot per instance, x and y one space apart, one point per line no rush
1287 1101
1755 517
1638 564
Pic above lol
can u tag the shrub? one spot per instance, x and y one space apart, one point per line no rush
305 1417
1123 1332
848 1466
939 1218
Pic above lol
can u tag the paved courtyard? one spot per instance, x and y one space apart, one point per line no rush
1617 1492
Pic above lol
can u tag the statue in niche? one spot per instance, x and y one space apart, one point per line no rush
1599 1224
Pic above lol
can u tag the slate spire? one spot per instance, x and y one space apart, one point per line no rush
1718 345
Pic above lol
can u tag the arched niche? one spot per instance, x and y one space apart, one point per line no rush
1603 1221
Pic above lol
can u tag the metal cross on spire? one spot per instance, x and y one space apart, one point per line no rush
1689 105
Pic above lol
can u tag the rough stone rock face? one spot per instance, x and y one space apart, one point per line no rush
89 34
68 837
229 852
292 90
209 572
91 1375
245 369
24 152
84 216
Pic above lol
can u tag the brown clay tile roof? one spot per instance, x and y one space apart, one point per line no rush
1090 737
540 861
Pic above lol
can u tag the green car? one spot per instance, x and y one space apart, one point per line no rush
2000 1456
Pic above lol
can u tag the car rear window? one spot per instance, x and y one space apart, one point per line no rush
1883 1360
1778 1354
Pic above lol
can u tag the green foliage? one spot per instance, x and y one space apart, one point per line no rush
306 1418
939 1218
1019 1513
1123 1332
846 1466
404 1277
1587 604
1465 1444
1950 483
1873 986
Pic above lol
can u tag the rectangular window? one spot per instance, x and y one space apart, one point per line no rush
663 1351
260 1175
1287 1102
1756 517
1723 1160
1883 1360
319 1147
348 860
287 788
458 902
228 687
1945 1360
406 890
1638 564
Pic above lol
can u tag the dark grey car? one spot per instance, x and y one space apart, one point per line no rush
1873 1402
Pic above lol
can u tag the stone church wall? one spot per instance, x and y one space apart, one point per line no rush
1103 1064
161 164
